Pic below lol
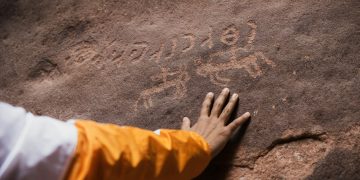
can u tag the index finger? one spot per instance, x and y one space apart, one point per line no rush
238 122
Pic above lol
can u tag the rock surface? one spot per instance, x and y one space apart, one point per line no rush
148 63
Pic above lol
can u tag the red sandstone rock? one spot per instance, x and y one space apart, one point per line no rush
149 63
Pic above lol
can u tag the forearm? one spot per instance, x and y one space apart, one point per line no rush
42 147
106 151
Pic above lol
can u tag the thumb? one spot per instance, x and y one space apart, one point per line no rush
185 124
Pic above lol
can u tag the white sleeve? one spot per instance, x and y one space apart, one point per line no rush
34 147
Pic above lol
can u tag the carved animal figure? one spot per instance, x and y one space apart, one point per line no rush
248 63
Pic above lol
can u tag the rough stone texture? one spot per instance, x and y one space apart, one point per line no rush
149 63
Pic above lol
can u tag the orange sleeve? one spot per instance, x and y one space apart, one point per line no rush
106 151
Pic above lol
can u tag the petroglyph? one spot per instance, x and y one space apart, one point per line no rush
249 63
81 53
212 68
252 34
135 52
263 57
208 41
191 39
116 53
118 57
178 83
173 48
138 51
157 54
236 58
230 36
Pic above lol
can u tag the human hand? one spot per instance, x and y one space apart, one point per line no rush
211 124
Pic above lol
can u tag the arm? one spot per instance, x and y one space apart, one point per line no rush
34 147
107 151
42 147
111 152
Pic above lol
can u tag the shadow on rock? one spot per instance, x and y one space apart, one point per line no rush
339 164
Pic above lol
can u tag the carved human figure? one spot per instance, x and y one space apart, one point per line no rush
179 83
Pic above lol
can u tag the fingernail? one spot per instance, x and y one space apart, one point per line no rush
226 90
211 94
235 96
247 115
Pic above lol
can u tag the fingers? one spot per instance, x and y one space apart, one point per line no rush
226 113
205 109
219 103
185 124
238 122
